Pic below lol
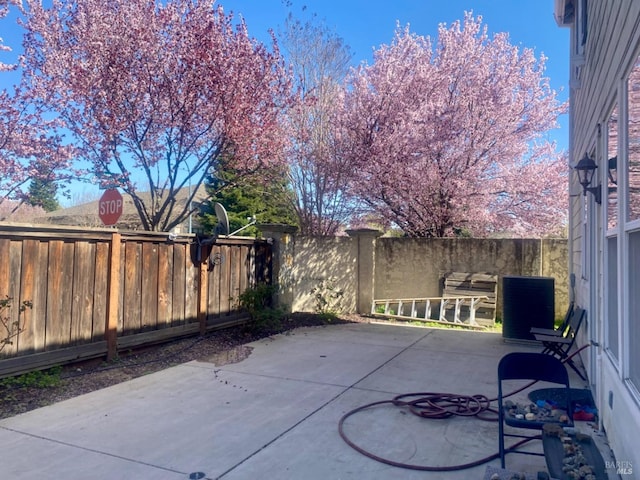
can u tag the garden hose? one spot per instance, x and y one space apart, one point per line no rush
431 405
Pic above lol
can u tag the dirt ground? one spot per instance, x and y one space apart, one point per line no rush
28 392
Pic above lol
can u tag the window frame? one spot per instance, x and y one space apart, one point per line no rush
612 293
629 301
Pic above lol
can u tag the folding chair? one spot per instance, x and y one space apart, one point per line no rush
559 345
529 366
558 332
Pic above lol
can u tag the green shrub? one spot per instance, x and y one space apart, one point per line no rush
258 302
38 379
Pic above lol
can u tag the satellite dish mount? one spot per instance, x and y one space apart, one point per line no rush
222 227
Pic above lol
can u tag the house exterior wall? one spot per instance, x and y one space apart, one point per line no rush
605 43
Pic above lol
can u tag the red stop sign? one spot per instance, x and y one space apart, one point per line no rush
110 206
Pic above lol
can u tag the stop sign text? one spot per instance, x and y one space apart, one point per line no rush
110 207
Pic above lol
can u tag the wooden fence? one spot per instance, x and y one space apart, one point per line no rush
94 292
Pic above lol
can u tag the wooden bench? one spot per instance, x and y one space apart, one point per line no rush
459 289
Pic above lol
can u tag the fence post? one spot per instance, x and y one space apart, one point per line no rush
203 287
113 296
366 265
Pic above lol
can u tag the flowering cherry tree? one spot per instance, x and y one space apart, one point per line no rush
4 10
154 94
30 147
317 173
451 139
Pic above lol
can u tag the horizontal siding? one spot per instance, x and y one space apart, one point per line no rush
613 43
613 34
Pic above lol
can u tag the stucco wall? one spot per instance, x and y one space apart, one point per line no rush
404 267
332 260
415 267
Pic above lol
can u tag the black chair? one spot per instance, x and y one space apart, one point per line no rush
529 366
560 330
559 343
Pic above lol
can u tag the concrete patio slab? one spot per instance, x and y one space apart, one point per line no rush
27 456
272 411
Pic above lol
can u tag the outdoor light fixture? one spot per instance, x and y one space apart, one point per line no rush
586 168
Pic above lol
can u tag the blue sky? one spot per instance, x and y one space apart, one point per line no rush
367 24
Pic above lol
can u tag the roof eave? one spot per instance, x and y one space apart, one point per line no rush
563 12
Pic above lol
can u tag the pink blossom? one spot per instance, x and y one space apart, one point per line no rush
156 93
451 138
30 148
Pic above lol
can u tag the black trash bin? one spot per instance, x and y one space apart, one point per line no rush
527 302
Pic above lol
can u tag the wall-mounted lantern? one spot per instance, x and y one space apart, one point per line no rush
586 169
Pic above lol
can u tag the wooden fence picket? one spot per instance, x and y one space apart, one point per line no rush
97 291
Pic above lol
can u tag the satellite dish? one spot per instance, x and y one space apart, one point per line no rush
222 228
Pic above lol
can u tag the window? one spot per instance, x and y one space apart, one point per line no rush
612 170
612 297
633 180
579 41
611 243
633 146
634 308
630 192
583 21
581 29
